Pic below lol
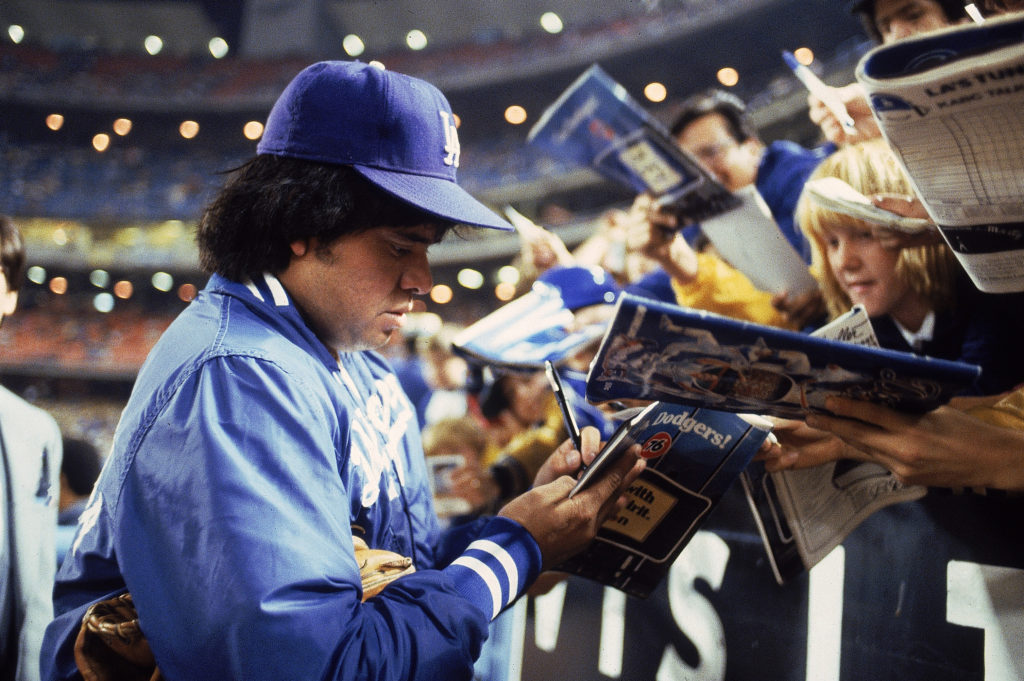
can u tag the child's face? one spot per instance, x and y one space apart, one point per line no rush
864 269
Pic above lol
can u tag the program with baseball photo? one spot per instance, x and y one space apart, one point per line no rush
693 455
658 351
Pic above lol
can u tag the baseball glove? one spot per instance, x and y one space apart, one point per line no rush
378 568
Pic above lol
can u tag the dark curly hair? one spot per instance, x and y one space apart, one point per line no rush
12 253
271 201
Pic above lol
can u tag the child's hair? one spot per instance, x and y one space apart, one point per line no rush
872 168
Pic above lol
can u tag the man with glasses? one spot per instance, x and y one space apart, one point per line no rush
715 129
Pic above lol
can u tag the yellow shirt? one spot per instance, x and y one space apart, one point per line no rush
724 290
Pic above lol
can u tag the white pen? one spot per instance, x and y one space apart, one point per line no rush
816 87
974 13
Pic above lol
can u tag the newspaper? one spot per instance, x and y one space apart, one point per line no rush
803 514
951 104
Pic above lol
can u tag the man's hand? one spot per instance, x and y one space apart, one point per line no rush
855 99
801 446
561 526
801 309
653 233
945 447
542 248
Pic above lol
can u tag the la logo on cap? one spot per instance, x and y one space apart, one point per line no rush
381 124
451 140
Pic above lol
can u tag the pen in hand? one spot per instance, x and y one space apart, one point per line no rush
563 404
826 94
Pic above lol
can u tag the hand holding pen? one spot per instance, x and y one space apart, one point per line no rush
856 102
563 404
843 113
823 92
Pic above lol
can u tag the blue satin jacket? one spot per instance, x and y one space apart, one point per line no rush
246 457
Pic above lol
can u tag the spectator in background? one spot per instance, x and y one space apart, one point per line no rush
30 464
79 470
991 8
973 442
519 412
714 128
885 21
455 445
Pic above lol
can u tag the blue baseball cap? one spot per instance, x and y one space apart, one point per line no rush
580 286
539 325
395 130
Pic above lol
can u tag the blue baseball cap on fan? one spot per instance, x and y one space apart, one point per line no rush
395 130
540 325
580 286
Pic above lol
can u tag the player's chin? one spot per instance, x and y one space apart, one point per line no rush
381 339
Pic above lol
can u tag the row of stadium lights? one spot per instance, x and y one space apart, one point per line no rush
153 44
507 278
122 289
354 46
506 281
188 129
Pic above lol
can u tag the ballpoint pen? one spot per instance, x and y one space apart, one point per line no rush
816 87
563 404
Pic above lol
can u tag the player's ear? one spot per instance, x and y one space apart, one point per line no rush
301 247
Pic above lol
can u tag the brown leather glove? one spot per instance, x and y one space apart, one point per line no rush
378 568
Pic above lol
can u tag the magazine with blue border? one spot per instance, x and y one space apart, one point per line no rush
658 351
693 456
595 123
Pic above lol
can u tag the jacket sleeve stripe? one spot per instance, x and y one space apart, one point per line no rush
489 578
503 558
497 566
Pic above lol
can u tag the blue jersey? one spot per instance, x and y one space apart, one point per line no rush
784 168
244 461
